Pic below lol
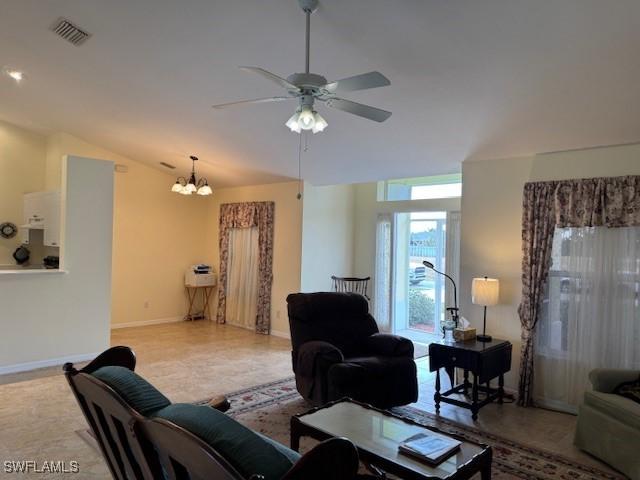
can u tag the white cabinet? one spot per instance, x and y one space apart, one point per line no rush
52 219
34 209
42 212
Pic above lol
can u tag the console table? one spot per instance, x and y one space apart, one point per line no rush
485 360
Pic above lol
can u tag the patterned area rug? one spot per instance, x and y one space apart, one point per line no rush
268 408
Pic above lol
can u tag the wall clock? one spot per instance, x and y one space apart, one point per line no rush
8 230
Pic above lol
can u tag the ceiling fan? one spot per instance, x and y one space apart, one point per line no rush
308 88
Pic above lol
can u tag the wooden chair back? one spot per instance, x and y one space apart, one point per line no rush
182 455
351 285
111 419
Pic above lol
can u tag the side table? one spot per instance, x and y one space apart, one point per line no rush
192 293
485 360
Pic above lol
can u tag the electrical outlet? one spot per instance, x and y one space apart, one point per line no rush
146 304
278 314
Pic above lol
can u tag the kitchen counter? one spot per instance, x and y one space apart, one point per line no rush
31 269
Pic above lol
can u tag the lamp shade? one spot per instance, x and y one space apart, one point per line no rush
485 291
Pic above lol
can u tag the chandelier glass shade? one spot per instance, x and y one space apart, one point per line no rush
192 185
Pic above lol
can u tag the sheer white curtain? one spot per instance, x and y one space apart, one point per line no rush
242 279
452 253
591 314
382 277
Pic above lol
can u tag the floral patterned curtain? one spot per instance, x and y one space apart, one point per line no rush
246 215
610 202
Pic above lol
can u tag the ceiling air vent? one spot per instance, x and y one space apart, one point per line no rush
70 32
168 165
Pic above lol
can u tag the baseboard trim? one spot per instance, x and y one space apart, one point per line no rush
144 323
52 362
281 334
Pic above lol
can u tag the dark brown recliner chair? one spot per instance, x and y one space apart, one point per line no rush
338 352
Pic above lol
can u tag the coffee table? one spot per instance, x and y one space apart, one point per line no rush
377 433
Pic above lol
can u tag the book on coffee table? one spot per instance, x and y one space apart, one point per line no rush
430 447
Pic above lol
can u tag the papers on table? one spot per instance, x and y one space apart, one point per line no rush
430 447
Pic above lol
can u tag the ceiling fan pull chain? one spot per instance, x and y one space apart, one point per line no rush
299 196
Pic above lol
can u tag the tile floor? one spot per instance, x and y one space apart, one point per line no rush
191 361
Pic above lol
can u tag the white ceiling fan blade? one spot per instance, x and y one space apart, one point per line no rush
247 102
372 113
358 82
271 76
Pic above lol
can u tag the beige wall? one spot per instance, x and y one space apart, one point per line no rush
287 240
22 170
157 234
491 224
328 232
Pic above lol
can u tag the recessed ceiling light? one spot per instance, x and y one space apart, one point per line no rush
17 75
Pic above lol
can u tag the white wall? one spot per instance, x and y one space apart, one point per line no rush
492 223
328 233
48 318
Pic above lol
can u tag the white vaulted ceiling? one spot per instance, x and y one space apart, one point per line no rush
469 79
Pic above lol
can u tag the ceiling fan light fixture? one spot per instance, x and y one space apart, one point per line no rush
306 118
320 123
292 123
307 87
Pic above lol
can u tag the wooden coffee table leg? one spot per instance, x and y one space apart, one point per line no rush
295 434
436 396
485 471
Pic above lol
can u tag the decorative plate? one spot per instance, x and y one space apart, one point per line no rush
8 230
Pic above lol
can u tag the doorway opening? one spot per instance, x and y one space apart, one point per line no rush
411 299
419 294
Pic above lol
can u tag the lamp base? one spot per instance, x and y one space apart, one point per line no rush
483 338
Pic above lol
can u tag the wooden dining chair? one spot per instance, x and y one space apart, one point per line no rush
351 285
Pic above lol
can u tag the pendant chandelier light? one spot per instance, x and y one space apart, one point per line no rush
191 186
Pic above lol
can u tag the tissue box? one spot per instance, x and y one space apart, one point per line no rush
464 334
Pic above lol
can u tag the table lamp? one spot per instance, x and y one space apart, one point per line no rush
485 291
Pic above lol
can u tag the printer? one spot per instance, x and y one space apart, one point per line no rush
200 275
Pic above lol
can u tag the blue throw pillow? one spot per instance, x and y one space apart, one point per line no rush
135 390
247 451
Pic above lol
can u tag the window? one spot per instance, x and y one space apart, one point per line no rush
421 188
590 315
